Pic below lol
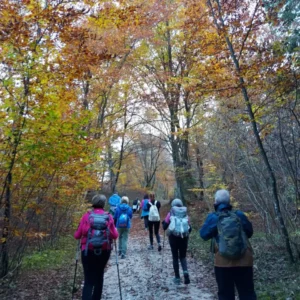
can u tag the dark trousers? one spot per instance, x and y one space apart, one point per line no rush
178 248
93 268
156 230
241 277
146 221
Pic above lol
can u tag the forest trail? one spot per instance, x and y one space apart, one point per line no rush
147 274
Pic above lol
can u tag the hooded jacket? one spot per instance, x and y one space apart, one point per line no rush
209 230
145 212
123 207
114 200
84 226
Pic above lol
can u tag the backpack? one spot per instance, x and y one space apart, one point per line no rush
153 212
179 222
232 241
98 233
123 218
145 205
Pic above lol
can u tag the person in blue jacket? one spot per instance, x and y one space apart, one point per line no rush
229 272
122 217
114 200
145 210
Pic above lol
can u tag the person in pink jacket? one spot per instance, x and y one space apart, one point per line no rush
96 231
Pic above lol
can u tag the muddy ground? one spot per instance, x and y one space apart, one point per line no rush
144 274
147 274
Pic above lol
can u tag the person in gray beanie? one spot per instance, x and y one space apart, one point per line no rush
98 201
229 231
178 226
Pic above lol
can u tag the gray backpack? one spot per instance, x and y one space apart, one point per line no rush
179 222
98 234
232 241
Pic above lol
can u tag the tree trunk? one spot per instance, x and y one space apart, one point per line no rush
276 203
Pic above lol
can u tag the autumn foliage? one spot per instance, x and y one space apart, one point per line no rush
181 97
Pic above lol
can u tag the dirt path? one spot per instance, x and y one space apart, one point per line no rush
147 274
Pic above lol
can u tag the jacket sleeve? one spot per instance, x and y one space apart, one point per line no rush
209 228
116 214
130 212
247 225
112 229
166 222
80 229
158 205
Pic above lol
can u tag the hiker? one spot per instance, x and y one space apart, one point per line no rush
122 217
114 200
95 249
229 231
179 228
153 220
145 210
136 205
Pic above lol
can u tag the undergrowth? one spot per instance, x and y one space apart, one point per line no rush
274 277
52 257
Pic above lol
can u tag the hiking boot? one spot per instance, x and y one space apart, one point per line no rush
159 248
186 278
176 280
123 256
150 247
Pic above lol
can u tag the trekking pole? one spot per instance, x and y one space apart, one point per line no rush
74 289
118 269
162 256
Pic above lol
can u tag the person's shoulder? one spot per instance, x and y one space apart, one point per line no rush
86 214
239 212
212 215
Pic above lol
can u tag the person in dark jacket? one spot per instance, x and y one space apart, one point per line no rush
178 243
230 272
153 224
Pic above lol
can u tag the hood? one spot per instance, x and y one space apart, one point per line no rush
114 199
222 206
123 206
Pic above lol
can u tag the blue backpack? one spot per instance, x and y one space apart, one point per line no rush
123 218
145 205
